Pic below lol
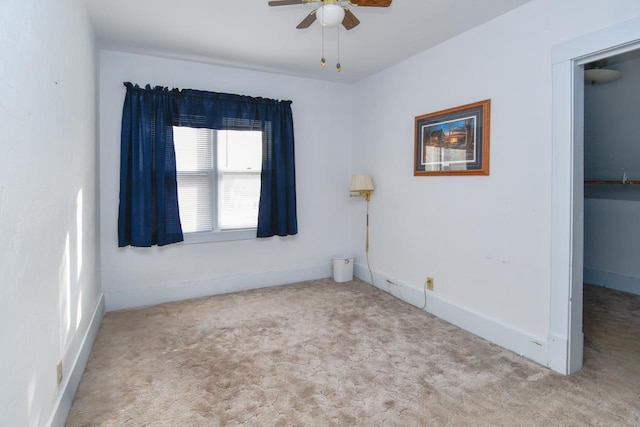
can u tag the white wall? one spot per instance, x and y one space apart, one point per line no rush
322 118
611 131
612 244
49 281
485 240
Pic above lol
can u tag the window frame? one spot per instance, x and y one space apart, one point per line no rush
219 236
216 235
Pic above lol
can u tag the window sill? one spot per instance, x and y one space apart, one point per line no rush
219 236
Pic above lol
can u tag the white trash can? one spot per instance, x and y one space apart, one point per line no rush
342 269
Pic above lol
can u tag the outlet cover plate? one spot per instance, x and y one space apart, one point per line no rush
430 283
59 372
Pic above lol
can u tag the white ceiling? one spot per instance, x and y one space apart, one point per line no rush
250 34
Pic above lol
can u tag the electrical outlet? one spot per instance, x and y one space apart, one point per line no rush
59 372
430 283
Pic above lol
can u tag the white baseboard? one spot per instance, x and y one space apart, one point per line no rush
557 351
132 298
492 330
395 287
612 281
72 381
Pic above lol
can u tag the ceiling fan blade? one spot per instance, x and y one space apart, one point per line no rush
350 21
372 3
284 2
310 19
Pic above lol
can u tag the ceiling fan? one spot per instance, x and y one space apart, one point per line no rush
332 12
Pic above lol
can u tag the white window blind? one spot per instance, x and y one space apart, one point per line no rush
218 175
239 166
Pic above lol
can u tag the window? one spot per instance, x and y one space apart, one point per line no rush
149 212
218 174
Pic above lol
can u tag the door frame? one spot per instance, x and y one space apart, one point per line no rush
566 339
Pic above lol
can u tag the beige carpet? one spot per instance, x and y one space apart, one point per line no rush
325 354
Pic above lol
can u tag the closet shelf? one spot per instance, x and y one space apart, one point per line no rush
605 181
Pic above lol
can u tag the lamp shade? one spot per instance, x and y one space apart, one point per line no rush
330 15
361 182
596 76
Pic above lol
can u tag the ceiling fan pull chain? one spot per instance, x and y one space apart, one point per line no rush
338 66
323 62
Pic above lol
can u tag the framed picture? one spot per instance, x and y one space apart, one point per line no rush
453 141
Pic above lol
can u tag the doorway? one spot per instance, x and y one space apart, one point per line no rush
565 340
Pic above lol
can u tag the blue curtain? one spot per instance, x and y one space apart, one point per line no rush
148 212
193 108
277 211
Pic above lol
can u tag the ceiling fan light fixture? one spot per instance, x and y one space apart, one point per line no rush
330 15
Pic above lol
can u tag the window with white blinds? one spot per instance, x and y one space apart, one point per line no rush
218 175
